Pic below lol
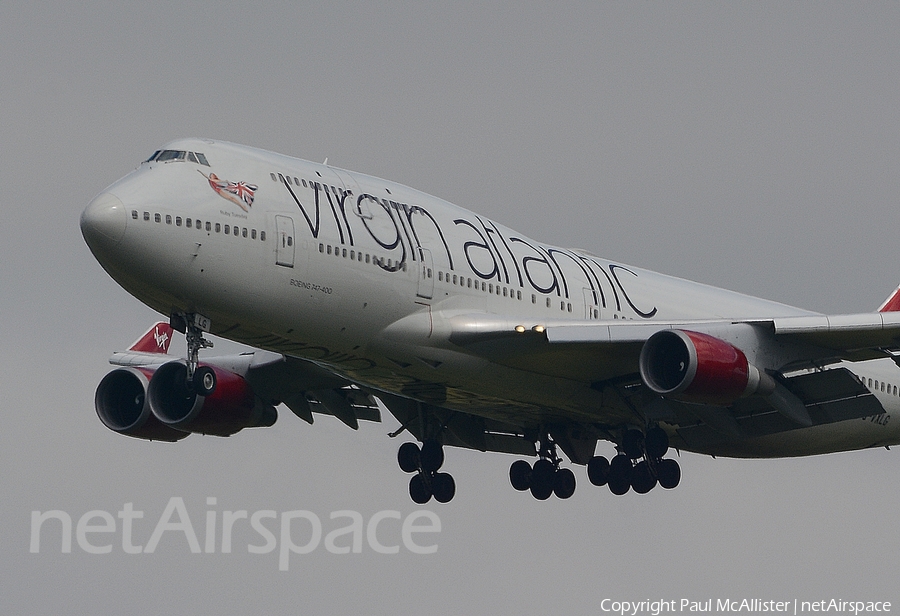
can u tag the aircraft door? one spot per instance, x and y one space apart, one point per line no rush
591 304
426 274
285 240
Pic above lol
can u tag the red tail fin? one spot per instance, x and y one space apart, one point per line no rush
156 340
892 303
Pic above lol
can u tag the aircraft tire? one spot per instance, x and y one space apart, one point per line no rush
408 457
656 443
633 444
598 470
620 470
419 491
542 479
564 483
204 381
520 475
642 479
443 487
669 473
431 456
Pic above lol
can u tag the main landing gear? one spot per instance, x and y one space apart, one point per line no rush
200 380
639 464
545 477
425 463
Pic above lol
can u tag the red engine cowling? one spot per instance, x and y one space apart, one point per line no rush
121 403
232 406
697 367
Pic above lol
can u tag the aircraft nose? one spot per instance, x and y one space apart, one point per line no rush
103 221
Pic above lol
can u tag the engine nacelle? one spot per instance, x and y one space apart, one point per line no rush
699 368
232 406
121 403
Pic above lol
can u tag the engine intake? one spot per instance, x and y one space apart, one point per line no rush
699 368
232 406
121 404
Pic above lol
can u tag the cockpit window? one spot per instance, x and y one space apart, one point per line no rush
164 156
169 155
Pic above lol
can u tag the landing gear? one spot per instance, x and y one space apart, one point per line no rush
425 463
639 466
545 477
200 380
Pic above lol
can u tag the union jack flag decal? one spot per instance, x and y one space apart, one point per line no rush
239 193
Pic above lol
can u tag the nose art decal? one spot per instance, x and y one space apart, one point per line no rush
239 193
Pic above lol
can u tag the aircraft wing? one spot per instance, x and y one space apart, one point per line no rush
600 350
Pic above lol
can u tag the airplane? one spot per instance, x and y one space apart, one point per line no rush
362 296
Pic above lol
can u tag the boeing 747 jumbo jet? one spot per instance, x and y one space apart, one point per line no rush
364 295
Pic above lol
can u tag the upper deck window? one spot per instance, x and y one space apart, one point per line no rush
164 156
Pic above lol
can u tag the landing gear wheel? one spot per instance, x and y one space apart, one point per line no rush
204 381
598 470
669 473
520 475
443 487
408 457
542 479
419 490
432 456
564 483
619 480
656 443
642 479
633 444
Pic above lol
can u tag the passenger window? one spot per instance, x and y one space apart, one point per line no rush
178 221
262 236
244 232
274 179
252 234
519 295
227 229
146 216
209 226
157 218
329 248
134 214
218 228
504 291
168 219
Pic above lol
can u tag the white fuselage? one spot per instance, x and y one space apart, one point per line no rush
363 276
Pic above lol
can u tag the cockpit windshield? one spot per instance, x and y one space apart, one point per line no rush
165 156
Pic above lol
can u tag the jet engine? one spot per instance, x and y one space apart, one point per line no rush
121 403
700 368
230 408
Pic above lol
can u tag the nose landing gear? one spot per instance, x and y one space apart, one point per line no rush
200 380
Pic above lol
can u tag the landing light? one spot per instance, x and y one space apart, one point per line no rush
520 329
538 329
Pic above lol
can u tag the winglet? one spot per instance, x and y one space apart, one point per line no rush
892 303
156 340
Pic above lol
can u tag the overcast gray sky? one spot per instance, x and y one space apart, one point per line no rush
752 146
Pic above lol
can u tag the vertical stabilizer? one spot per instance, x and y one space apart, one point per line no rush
892 303
156 340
